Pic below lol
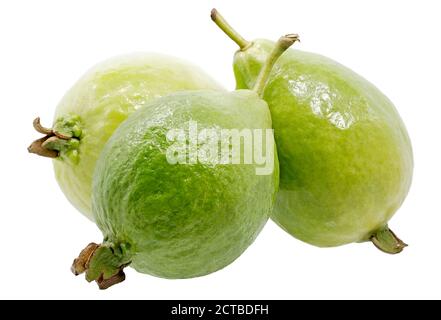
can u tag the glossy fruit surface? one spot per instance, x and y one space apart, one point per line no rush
345 156
100 101
182 220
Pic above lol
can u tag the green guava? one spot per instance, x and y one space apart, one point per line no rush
96 105
345 156
168 215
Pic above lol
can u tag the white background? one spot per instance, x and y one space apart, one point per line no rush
46 45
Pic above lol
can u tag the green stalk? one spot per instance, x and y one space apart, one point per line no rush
229 31
281 46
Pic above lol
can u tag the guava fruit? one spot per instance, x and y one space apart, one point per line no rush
345 156
177 217
96 105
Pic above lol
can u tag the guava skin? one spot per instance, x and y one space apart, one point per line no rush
102 99
182 220
345 156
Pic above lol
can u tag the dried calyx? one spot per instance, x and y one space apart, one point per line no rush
102 263
61 141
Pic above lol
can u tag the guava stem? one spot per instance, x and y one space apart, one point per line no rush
386 240
228 30
102 263
281 46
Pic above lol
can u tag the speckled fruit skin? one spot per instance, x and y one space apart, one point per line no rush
103 98
182 221
345 156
